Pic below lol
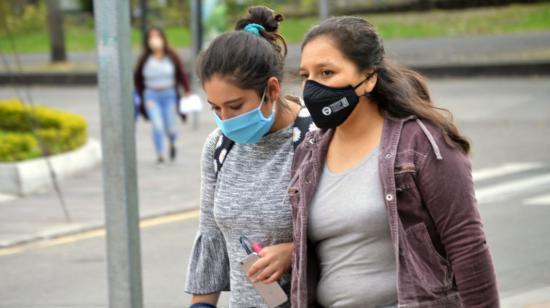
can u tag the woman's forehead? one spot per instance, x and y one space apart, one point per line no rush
154 32
321 52
220 90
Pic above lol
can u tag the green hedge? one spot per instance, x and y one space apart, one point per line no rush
58 131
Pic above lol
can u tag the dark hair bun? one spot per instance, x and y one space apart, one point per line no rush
267 18
261 15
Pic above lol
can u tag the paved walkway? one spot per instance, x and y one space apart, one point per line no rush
173 188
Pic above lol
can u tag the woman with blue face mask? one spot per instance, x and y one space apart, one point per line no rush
246 164
158 76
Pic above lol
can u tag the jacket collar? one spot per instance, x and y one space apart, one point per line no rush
320 139
391 133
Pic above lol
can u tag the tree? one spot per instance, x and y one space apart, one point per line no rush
55 27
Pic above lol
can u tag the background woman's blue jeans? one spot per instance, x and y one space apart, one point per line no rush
161 109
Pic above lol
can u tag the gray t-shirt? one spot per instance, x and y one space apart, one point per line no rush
159 73
249 198
349 226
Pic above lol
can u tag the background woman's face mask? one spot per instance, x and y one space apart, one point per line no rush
247 128
156 43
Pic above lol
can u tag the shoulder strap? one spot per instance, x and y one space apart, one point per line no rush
302 125
223 146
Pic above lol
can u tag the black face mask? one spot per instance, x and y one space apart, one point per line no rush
330 107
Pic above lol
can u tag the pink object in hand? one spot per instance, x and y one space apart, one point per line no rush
256 247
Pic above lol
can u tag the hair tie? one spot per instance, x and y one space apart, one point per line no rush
254 28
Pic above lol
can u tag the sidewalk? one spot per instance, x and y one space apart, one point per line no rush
174 188
489 55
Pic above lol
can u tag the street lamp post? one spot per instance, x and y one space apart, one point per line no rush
112 20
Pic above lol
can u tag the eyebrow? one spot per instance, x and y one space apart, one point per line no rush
322 64
235 100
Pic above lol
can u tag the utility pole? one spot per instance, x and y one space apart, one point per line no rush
112 20
55 27
324 10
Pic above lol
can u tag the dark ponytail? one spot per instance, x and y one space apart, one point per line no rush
399 92
246 59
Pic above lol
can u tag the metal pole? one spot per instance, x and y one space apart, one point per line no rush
112 19
324 10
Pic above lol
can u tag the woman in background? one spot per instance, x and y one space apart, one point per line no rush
158 75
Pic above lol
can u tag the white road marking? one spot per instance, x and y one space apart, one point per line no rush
534 298
5 198
501 191
539 200
484 174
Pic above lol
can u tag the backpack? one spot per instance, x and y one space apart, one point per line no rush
302 125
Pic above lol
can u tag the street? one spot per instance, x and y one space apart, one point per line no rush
508 121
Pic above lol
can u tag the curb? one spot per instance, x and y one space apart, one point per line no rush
25 177
50 79
87 227
534 68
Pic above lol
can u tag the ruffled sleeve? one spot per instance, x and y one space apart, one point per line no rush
208 270
208 266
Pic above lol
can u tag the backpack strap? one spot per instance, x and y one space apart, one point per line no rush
223 146
302 125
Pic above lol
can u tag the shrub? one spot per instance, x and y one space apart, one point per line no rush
54 131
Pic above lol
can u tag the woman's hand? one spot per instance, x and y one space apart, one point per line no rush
274 262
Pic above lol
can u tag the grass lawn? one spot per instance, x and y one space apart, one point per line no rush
509 19
81 39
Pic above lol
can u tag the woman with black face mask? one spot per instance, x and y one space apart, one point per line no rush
383 202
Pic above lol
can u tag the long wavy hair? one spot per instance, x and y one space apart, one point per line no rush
399 92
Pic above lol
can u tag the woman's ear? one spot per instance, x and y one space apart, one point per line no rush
273 89
370 83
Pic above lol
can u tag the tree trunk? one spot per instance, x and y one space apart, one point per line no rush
55 26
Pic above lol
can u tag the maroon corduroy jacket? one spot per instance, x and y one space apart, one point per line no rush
442 258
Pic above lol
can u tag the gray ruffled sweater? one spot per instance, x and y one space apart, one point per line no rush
247 198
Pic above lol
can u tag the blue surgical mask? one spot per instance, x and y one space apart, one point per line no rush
247 128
